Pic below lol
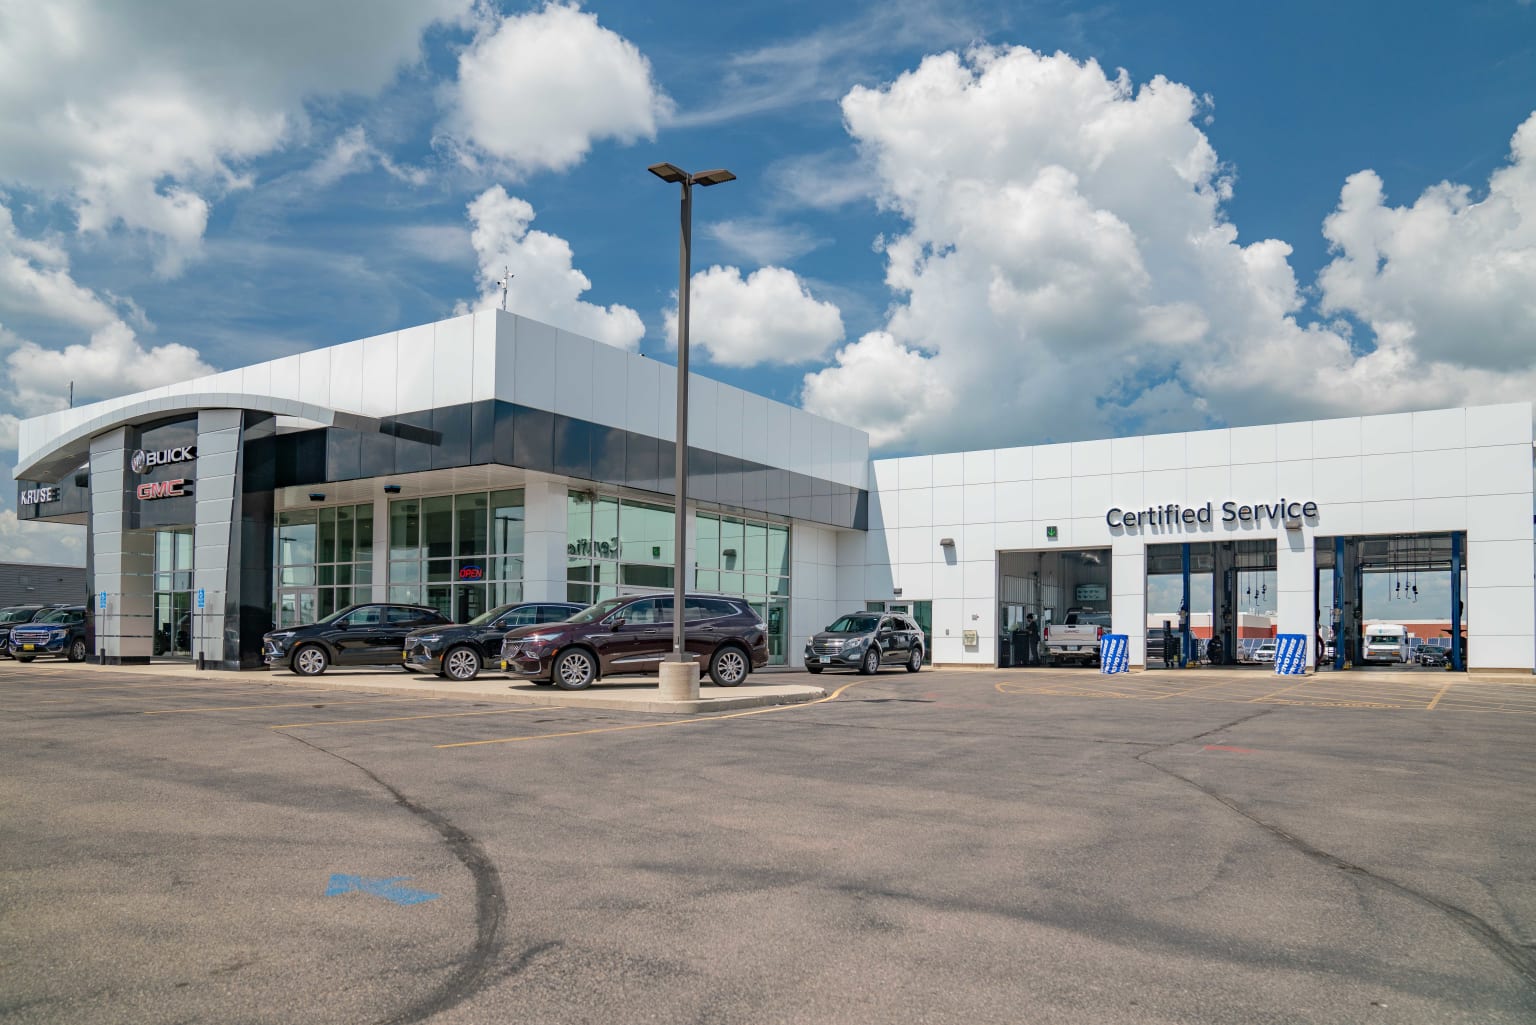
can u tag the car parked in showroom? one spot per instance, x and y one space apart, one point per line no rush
865 641
633 634
460 652
57 632
359 635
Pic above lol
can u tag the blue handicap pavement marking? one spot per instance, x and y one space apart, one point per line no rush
1291 655
390 889
1115 653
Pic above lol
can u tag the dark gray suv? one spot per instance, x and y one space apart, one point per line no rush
865 641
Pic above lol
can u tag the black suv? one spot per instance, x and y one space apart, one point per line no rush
634 635
358 635
459 652
56 632
865 641
14 616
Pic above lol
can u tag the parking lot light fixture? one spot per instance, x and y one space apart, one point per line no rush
671 173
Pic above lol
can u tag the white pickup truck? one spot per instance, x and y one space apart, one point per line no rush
1076 638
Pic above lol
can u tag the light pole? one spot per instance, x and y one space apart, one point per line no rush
679 675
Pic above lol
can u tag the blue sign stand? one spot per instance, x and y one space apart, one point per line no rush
103 601
1291 655
201 598
1115 653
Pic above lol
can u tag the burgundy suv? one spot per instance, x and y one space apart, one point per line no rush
633 634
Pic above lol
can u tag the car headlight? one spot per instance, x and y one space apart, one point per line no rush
428 638
284 636
855 644
57 635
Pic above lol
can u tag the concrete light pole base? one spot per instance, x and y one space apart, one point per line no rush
679 681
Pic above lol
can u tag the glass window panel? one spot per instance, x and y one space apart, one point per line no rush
732 541
472 571
440 597
504 591
298 576
472 512
643 575
507 522
163 581
707 542
755 555
362 574
579 593
505 569
468 602
344 573
346 515
295 537
183 550
404 528
328 602
165 553
326 575
404 572
363 517
409 593
707 580
578 524
437 526
731 583
326 548
778 549
440 570
605 528
647 533
779 586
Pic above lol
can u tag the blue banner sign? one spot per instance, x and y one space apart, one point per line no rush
201 597
103 600
1115 653
1291 655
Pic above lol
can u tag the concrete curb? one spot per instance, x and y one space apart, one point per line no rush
628 694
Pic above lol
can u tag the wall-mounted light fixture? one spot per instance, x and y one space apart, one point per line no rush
391 489
317 496
946 542
729 553
896 591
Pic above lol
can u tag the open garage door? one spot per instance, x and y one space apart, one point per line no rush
1067 590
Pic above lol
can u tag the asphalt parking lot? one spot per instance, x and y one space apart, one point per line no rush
950 846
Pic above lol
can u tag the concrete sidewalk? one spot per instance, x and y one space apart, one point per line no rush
629 693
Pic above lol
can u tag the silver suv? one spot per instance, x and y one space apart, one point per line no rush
865 641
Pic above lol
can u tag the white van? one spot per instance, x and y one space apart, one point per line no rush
1386 642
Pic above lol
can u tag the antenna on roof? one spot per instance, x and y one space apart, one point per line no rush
71 395
505 282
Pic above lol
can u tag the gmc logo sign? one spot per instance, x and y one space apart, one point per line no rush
162 489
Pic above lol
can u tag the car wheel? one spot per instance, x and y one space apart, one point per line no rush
25 658
461 663
813 670
77 650
915 660
729 667
575 670
310 660
870 663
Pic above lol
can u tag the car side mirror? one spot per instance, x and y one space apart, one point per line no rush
342 624
616 624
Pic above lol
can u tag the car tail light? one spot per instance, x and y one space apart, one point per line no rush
1047 634
1098 633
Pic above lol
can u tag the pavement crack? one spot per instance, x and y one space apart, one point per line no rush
476 969
1519 957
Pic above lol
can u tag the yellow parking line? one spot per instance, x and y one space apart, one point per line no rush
652 725
1431 706
1282 690
404 718
290 704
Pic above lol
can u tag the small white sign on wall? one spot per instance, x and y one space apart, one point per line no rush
1092 592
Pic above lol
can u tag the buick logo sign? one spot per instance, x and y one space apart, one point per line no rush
144 460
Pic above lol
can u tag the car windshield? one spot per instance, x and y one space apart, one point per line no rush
1267 646
16 615
1088 619
592 613
59 616
854 625
490 617
1385 639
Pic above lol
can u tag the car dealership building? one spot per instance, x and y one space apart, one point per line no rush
491 458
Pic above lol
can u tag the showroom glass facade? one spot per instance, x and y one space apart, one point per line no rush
615 546
740 556
324 561
461 554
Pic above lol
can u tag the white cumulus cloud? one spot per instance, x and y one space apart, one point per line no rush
535 90
139 113
1067 265
546 285
768 317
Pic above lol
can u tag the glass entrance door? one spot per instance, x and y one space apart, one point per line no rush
297 606
173 624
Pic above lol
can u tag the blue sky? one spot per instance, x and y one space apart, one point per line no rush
955 225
